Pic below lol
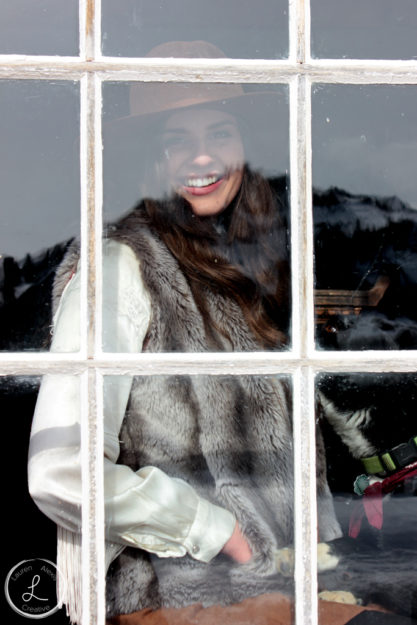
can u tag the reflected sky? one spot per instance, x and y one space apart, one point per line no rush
41 27
367 29
241 28
365 139
39 165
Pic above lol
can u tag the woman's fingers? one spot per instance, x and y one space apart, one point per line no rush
237 547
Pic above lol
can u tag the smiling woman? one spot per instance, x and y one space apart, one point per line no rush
198 469
204 158
209 457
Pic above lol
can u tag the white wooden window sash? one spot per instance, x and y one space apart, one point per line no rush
303 362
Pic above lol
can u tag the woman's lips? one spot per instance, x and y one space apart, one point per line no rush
203 185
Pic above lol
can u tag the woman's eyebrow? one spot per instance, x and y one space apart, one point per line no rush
226 122
183 131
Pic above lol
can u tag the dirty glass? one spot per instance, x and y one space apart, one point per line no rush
364 29
197 444
208 165
47 27
367 421
241 28
39 179
365 219
28 564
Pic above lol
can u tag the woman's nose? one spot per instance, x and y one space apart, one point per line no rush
202 158
201 155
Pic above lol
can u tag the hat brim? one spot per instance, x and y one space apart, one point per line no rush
246 106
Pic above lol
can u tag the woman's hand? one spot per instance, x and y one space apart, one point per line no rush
237 547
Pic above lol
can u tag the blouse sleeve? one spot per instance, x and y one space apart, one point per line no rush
145 509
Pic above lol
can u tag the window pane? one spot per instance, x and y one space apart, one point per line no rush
242 29
41 27
368 422
207 165
31 536
199 443
39 178
365 200
364 29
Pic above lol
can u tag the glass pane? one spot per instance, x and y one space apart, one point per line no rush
39 179
199 443
41 27
30 549
368 423
241 28
364 29
205 169
365 219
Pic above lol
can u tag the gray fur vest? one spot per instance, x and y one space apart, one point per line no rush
230 437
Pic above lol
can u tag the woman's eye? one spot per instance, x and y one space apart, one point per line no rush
219 135
173 142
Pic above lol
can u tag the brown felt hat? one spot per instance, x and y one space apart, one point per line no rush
150 101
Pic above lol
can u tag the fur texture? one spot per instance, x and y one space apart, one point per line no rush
229 437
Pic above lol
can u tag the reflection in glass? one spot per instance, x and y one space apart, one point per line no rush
205 168
41 27
241 28
39 178
364 29
365 219
369 427
29 533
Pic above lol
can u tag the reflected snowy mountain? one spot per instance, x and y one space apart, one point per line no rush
360 242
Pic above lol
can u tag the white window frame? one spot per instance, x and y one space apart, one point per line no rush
300 72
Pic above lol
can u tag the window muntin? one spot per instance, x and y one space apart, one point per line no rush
44 27
240 29
302 369
372 29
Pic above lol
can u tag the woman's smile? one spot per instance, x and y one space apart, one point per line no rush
204 184
204 158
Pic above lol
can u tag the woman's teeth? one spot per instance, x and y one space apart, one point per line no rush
202 182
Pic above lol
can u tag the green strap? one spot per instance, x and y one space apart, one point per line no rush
373 465
378 464
382 463
388 461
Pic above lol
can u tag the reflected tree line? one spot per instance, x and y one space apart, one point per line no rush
365 250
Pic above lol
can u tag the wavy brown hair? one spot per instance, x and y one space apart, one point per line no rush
241 253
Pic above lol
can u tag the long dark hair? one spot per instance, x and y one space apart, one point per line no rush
241 253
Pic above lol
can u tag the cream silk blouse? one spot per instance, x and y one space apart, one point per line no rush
145 509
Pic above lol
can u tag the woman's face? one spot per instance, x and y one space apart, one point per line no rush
204 158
